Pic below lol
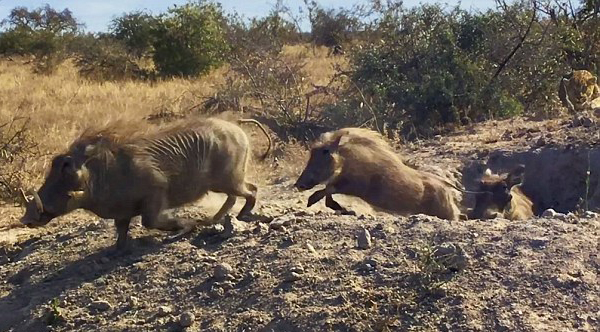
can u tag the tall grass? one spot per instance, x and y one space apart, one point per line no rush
61 104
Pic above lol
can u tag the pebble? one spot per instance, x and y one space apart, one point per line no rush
451 255
133 301
293 276
101 305
223 271
549 213
164 310
297 269
565 281
590 215
539 243
363 239
260 228
310 248
285 220
187 319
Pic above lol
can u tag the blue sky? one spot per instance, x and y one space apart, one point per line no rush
96 14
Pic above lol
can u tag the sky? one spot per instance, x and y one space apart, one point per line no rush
96 14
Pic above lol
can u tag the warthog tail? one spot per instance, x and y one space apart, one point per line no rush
264 132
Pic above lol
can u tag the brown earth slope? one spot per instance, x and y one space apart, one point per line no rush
302 270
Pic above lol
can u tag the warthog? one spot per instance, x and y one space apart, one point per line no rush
119 172
501 196
358 162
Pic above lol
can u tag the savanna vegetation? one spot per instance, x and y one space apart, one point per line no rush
408 72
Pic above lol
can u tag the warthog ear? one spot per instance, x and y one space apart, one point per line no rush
344 139
90 149
515 176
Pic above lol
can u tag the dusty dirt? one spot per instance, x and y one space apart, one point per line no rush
300 269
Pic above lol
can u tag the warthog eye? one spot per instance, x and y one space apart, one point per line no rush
325 151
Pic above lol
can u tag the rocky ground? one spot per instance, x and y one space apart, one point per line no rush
298 269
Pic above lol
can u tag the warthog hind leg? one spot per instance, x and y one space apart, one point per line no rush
332 204
154 218
249 192
229 203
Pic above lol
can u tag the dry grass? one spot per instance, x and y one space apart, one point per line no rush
62 104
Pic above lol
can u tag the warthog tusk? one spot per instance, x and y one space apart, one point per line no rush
38 202
24 196
76 194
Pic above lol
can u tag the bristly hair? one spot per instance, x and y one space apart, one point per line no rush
359 136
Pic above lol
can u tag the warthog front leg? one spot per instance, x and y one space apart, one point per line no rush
122 226
332 204
154 218
320 194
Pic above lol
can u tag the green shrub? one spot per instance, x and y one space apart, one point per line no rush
43 33
135 30
190 40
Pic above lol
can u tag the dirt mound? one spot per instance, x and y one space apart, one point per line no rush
307 274
301 269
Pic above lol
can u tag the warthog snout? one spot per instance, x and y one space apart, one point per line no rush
302 184
35 215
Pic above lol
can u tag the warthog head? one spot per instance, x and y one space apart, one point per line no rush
59 194
496 190
323 163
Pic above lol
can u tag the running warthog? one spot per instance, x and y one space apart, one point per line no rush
119 172
501 196
358 162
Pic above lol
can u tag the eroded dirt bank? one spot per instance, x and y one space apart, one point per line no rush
302 269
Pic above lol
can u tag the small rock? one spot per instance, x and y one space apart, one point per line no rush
293 276
223 271
572 218
415 218
565 281
133 302
363 239
232 226
451 255
260 228
276 224
539 243
216 292
285 220
590 215
187 319
561 217
549 213
214 229
311 248
297 269
164 310
345 213
101 305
